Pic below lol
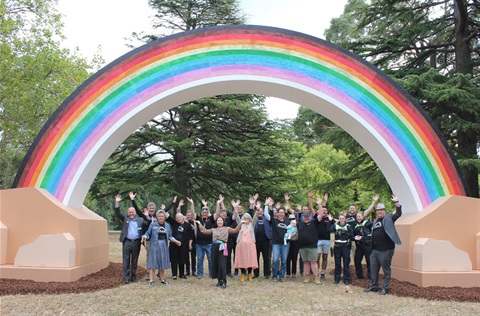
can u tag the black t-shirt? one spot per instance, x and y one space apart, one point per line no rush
203 239
162 232
308 234
279 228
380 239
260 233
323 225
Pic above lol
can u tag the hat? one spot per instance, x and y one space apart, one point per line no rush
291 216
380 206
204 208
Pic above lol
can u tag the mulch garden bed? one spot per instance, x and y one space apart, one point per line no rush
111 277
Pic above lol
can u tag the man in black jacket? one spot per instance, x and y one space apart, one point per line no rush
130 236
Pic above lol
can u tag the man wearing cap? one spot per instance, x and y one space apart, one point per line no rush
384 239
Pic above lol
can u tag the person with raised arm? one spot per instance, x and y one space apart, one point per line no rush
263 236
220 235
246 252
323 242
204 242
130 237
279 250
181 243
190 217
159 233
384 239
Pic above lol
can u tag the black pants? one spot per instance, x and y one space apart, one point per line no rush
192 260
292 257
342 253
178 258
232 245
130 252
219 263
263 248
361 251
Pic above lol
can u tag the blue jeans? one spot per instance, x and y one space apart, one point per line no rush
201 251
279 251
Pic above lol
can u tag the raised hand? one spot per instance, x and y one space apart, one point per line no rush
189 200
118 198
310 193
394 198
131 195
278 205
220 199
162 207
376 197
319 201
258 205
325 197
287 197
181 203
174 199
204 202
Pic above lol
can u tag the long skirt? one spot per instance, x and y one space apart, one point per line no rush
158 256
219 263
246 252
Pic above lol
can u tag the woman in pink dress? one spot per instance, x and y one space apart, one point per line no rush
246 251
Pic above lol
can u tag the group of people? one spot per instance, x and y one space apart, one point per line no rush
277 233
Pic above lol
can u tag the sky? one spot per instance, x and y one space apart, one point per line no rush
90 24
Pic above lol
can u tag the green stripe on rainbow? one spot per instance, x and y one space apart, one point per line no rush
92 122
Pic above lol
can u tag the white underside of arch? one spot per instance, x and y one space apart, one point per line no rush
374 143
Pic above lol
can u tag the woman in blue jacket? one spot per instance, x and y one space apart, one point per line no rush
159 233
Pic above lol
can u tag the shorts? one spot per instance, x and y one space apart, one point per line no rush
323 246
308 254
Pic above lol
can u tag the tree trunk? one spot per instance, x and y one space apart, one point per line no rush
467 143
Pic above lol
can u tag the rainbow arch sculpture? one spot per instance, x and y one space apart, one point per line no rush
100 114
61 164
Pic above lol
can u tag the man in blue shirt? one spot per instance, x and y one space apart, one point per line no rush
132 230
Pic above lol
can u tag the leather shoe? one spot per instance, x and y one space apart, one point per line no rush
219 283
383 292
183 277
347 282
126 281
371 289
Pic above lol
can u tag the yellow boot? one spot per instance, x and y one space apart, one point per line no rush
242 278
317 280
307 278
250 277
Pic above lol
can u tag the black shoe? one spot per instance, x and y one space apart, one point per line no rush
266 277
360 277
230 275
336 281
183 277
384 292
133 280
322 277
126 281
187 274
174 277
224 285
371 289
219 283
235 273
346 282
255 276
